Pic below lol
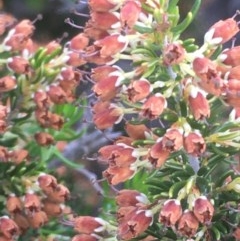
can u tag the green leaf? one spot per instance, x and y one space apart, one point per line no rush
189 18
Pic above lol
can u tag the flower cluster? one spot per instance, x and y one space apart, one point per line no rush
168 93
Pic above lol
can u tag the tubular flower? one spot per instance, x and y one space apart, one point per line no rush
172 140
210 79
194 144
8 227
101 5
117 155
222 31
126 198
198 104
173 53
203 209
170 212
103 20
111 45
129 13
116 174
7 83
135 223
136 131
138 90
88 224
158 155
231 56
153 107
105 115
188 224
106 88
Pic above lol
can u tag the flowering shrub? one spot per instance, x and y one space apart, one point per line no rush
174 174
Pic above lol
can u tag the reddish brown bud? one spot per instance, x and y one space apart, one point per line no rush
7 83
31 203
101 5
60 194
111 45
103 21
8 227
158 154
194 144
18 156
153 107
44 138
42 100
22 221
88 224
51 208
136 132
52 46
173 53
135 223
57 94
203 209
129 13
222 31
47 183
138 90
106 115
170 212
188 224
25 27
14 204
127 198
38 219
79 42
236 234
19 65
172 140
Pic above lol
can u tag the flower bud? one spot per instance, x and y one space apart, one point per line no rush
7 83
194 144
32 203
51 208
101 5
173 53
60 194
153 107
203 209
170 212
47 183
188 224
44 138
14 204
38 219
8 227
138 90
19 65
79 42
88 224
222 31
127 198
135 223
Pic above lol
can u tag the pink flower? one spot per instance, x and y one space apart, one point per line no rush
222 31
138 90
170 212
153 107
194 144
188 224
203 209
111 45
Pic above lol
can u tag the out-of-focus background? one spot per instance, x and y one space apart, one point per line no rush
52 26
